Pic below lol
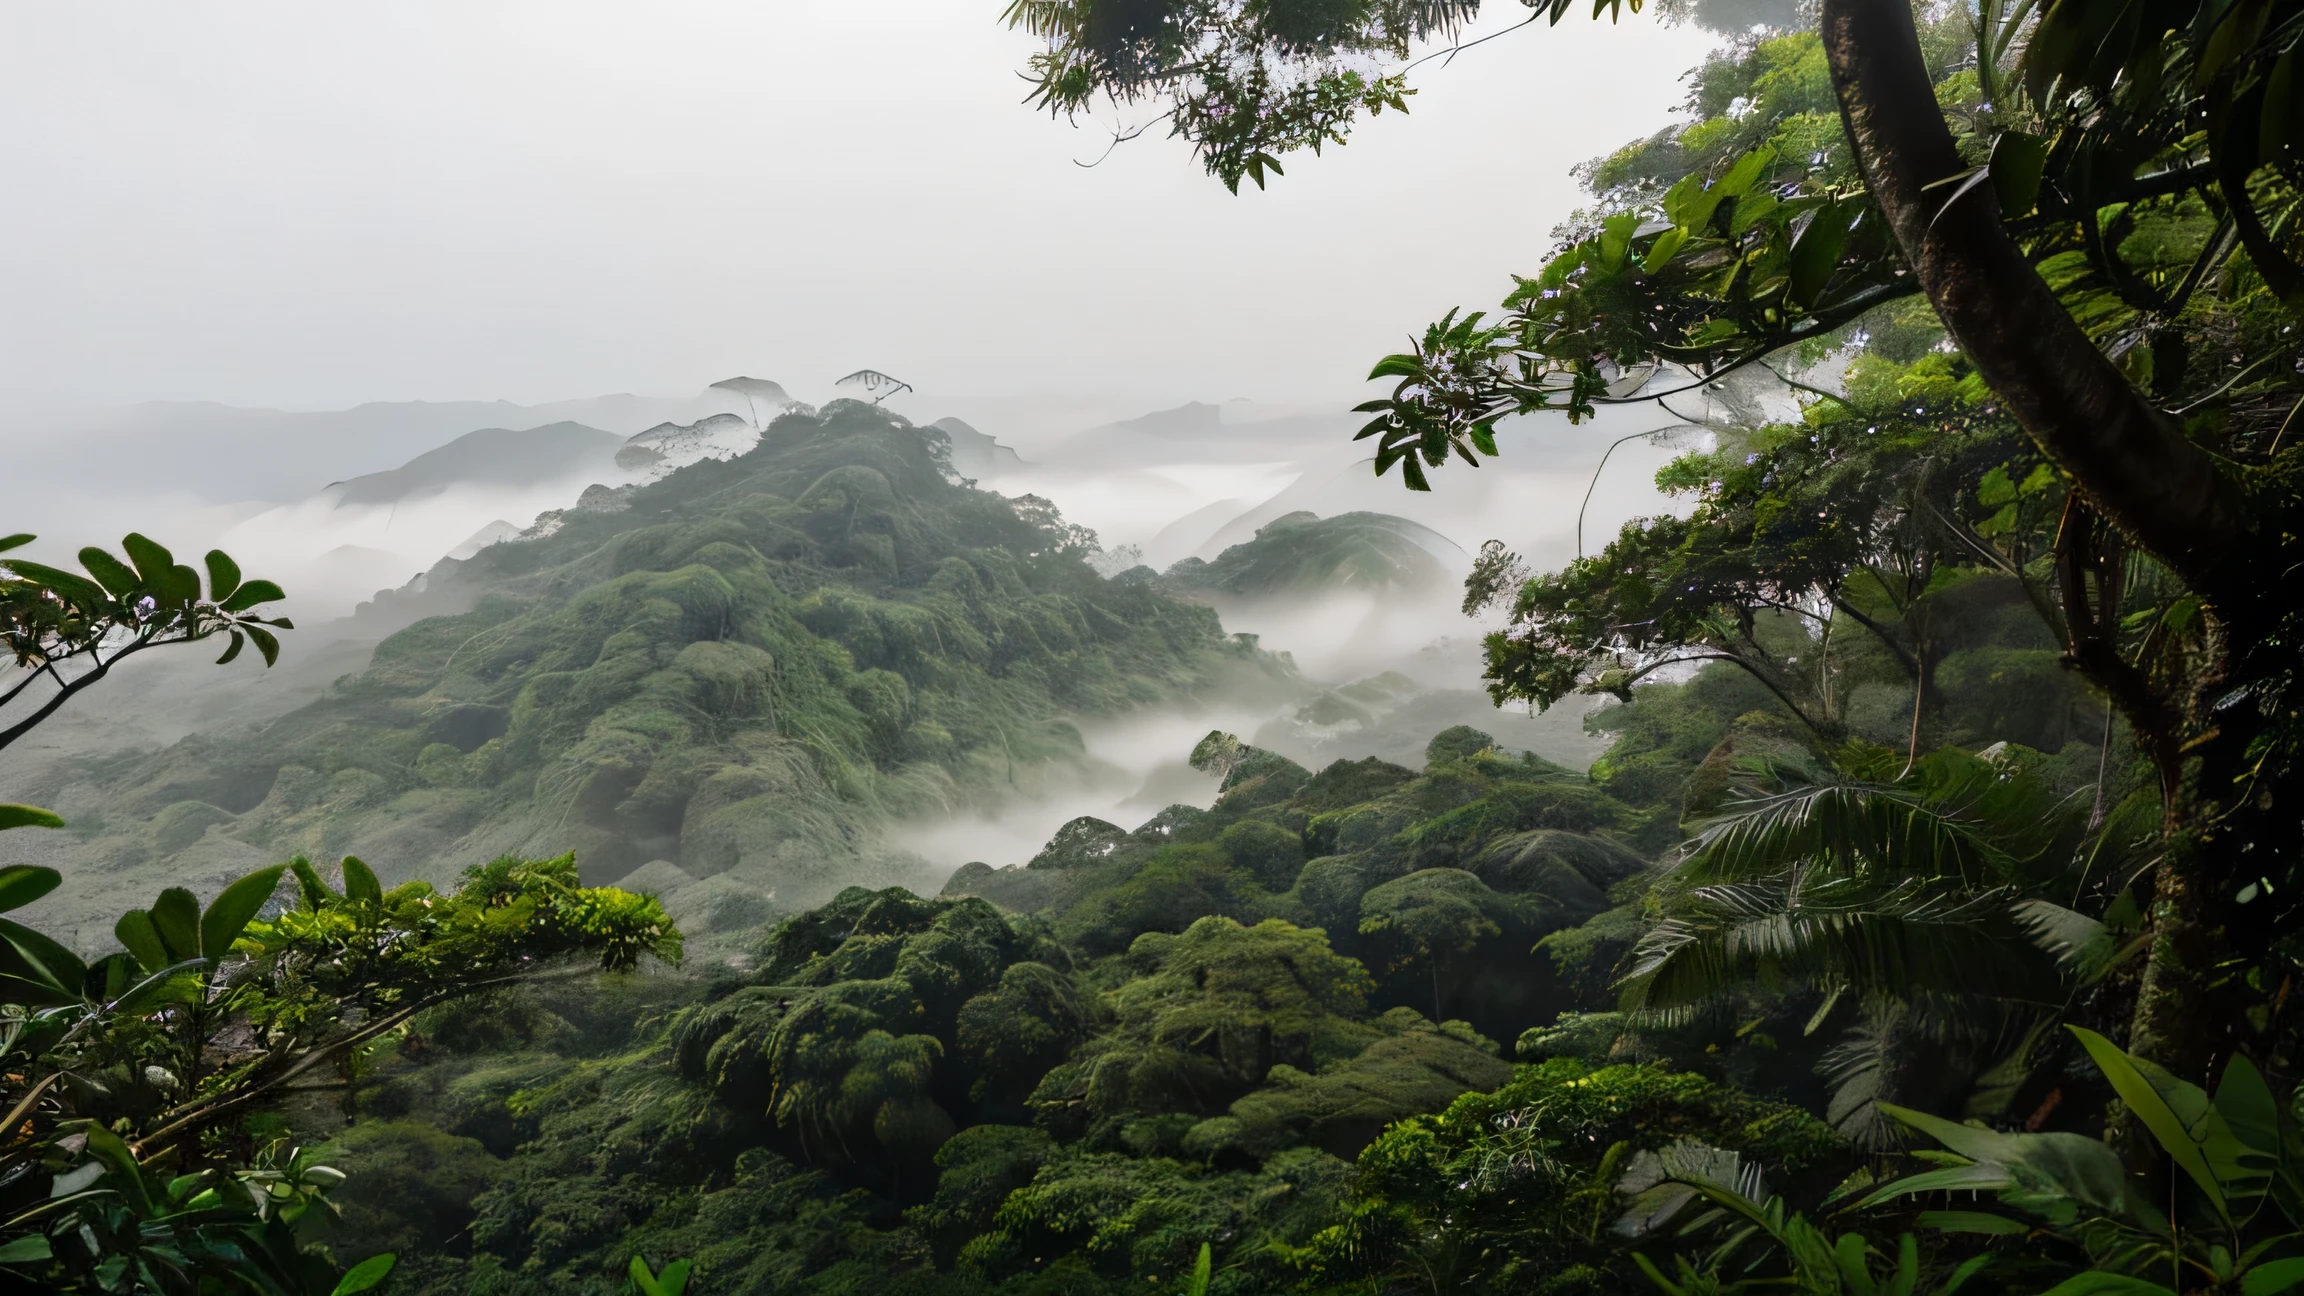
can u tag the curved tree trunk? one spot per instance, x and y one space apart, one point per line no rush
2169 495
2135 467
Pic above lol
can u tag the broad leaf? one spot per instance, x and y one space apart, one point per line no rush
42 962
176 915
251 594
228 914
2098 1283
78 589
360 884
1972 1222
113 574
16 541
24 816
2273 1277
366 1274
140 937
21 884
310 886
223 575
152 558
2172 1131
120 1167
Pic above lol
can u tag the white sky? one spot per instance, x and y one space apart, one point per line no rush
313 205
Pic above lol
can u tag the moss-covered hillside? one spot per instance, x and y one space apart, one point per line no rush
736 673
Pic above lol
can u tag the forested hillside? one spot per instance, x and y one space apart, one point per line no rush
740 672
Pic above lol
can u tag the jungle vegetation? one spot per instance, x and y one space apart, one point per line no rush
1926 927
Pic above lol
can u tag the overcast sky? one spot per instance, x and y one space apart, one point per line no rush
314 205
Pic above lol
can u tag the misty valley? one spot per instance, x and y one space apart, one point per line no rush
1766 759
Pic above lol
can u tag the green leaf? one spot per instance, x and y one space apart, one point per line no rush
2096 1282
42 963
232 650
1980 1177
223 575
176 916
1616 239
366 1274
29 1249
228 914
1666 246
113 574
152 559
16 541
314 890
21 884
137 934
2017 162
2082 1168
1200 1272
265 643
24 816
162 987
2249 1110
2273 1277
120 1165
360 885
181 584
1817 254
250 594
1972 1222
76 589
674 1280
2170 1130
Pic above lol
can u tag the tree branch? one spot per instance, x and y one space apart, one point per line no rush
2148 479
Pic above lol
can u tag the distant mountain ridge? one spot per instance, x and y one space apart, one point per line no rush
489 457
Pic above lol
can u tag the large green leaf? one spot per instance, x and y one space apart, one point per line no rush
24 816
360 884
77 589
124 1175
176 916
2098 1283
2252 1114
140 937
366 1274
251 594
42 962
223 575
152 558
228 914
181 583
1972 1222
2083 1168
110 572
2172 1130
2273 1277
21 884
311 888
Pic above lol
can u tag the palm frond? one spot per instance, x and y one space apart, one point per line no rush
1810 926
1857 827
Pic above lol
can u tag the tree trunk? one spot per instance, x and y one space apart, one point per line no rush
2166 493
2134 466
